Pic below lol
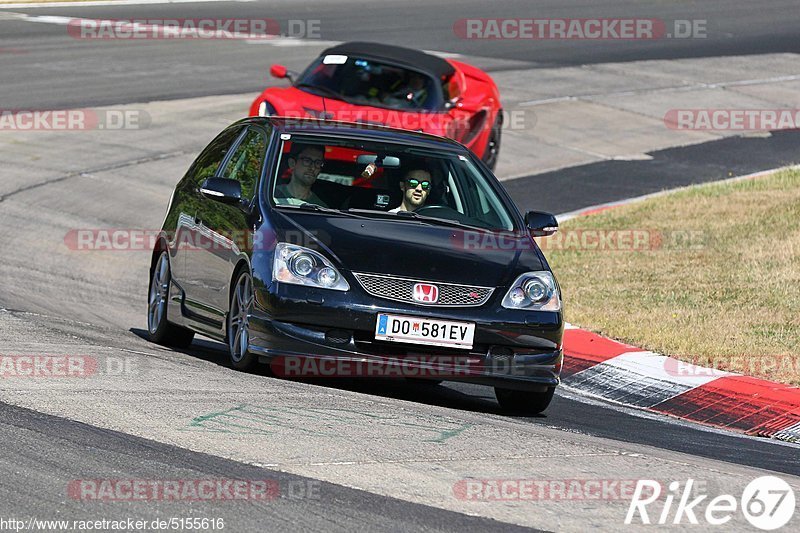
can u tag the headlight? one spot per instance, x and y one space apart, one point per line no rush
301 266
534 291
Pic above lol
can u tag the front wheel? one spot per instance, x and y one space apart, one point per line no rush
524 402
159 329
239 323
492 152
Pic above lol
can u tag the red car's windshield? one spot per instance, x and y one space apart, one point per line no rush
370 82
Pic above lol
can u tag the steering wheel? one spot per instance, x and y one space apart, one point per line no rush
433 208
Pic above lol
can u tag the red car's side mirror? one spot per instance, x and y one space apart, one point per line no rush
277 71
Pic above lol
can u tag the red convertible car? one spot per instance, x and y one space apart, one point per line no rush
394 86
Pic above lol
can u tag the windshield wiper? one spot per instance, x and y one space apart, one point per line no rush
326 90
321 209
415 216
442 221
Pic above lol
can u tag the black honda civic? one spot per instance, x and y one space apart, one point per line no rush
339 249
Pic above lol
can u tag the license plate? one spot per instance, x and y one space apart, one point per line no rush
430 331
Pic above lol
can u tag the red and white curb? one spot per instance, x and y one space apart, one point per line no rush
624 374
621 373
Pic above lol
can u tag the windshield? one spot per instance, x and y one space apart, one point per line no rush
370 82
387 181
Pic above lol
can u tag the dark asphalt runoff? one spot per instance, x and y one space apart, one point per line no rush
610 181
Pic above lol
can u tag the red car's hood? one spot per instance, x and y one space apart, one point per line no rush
293 102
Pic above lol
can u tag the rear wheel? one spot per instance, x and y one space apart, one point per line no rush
239 323
492 152
524 402
159 329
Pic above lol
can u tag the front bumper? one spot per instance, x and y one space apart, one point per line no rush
512 349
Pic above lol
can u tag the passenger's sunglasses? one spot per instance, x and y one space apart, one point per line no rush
307 161
415 183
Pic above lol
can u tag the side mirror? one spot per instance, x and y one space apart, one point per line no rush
224 190
541 224
278 71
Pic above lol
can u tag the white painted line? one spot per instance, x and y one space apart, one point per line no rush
544 101
632 157
159 29
790 434
563 217
277 41
621 386
666 369
94 3
289 42
641 379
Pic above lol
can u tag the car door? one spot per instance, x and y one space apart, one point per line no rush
188 203
224 230
180 220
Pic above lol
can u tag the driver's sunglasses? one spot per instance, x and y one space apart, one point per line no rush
307 161
415 183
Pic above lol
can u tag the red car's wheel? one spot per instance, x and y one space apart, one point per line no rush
492 151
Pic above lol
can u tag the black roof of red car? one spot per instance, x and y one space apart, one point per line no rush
416 59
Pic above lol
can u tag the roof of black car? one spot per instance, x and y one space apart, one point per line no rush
416 59
331 127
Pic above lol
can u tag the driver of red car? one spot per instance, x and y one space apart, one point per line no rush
413 91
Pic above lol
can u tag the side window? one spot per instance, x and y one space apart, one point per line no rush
247 161
207 163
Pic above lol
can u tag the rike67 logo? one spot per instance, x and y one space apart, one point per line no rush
767 502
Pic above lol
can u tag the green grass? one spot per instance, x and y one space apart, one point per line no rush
720 285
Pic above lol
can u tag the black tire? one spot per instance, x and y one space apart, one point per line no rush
239 324
524 402
159 329
492 151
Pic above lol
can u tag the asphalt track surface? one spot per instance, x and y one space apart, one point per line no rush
52 451
92 73
49 69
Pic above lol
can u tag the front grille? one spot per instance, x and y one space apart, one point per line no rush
402 290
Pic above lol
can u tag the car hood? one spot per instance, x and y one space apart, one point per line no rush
411 249
300 104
